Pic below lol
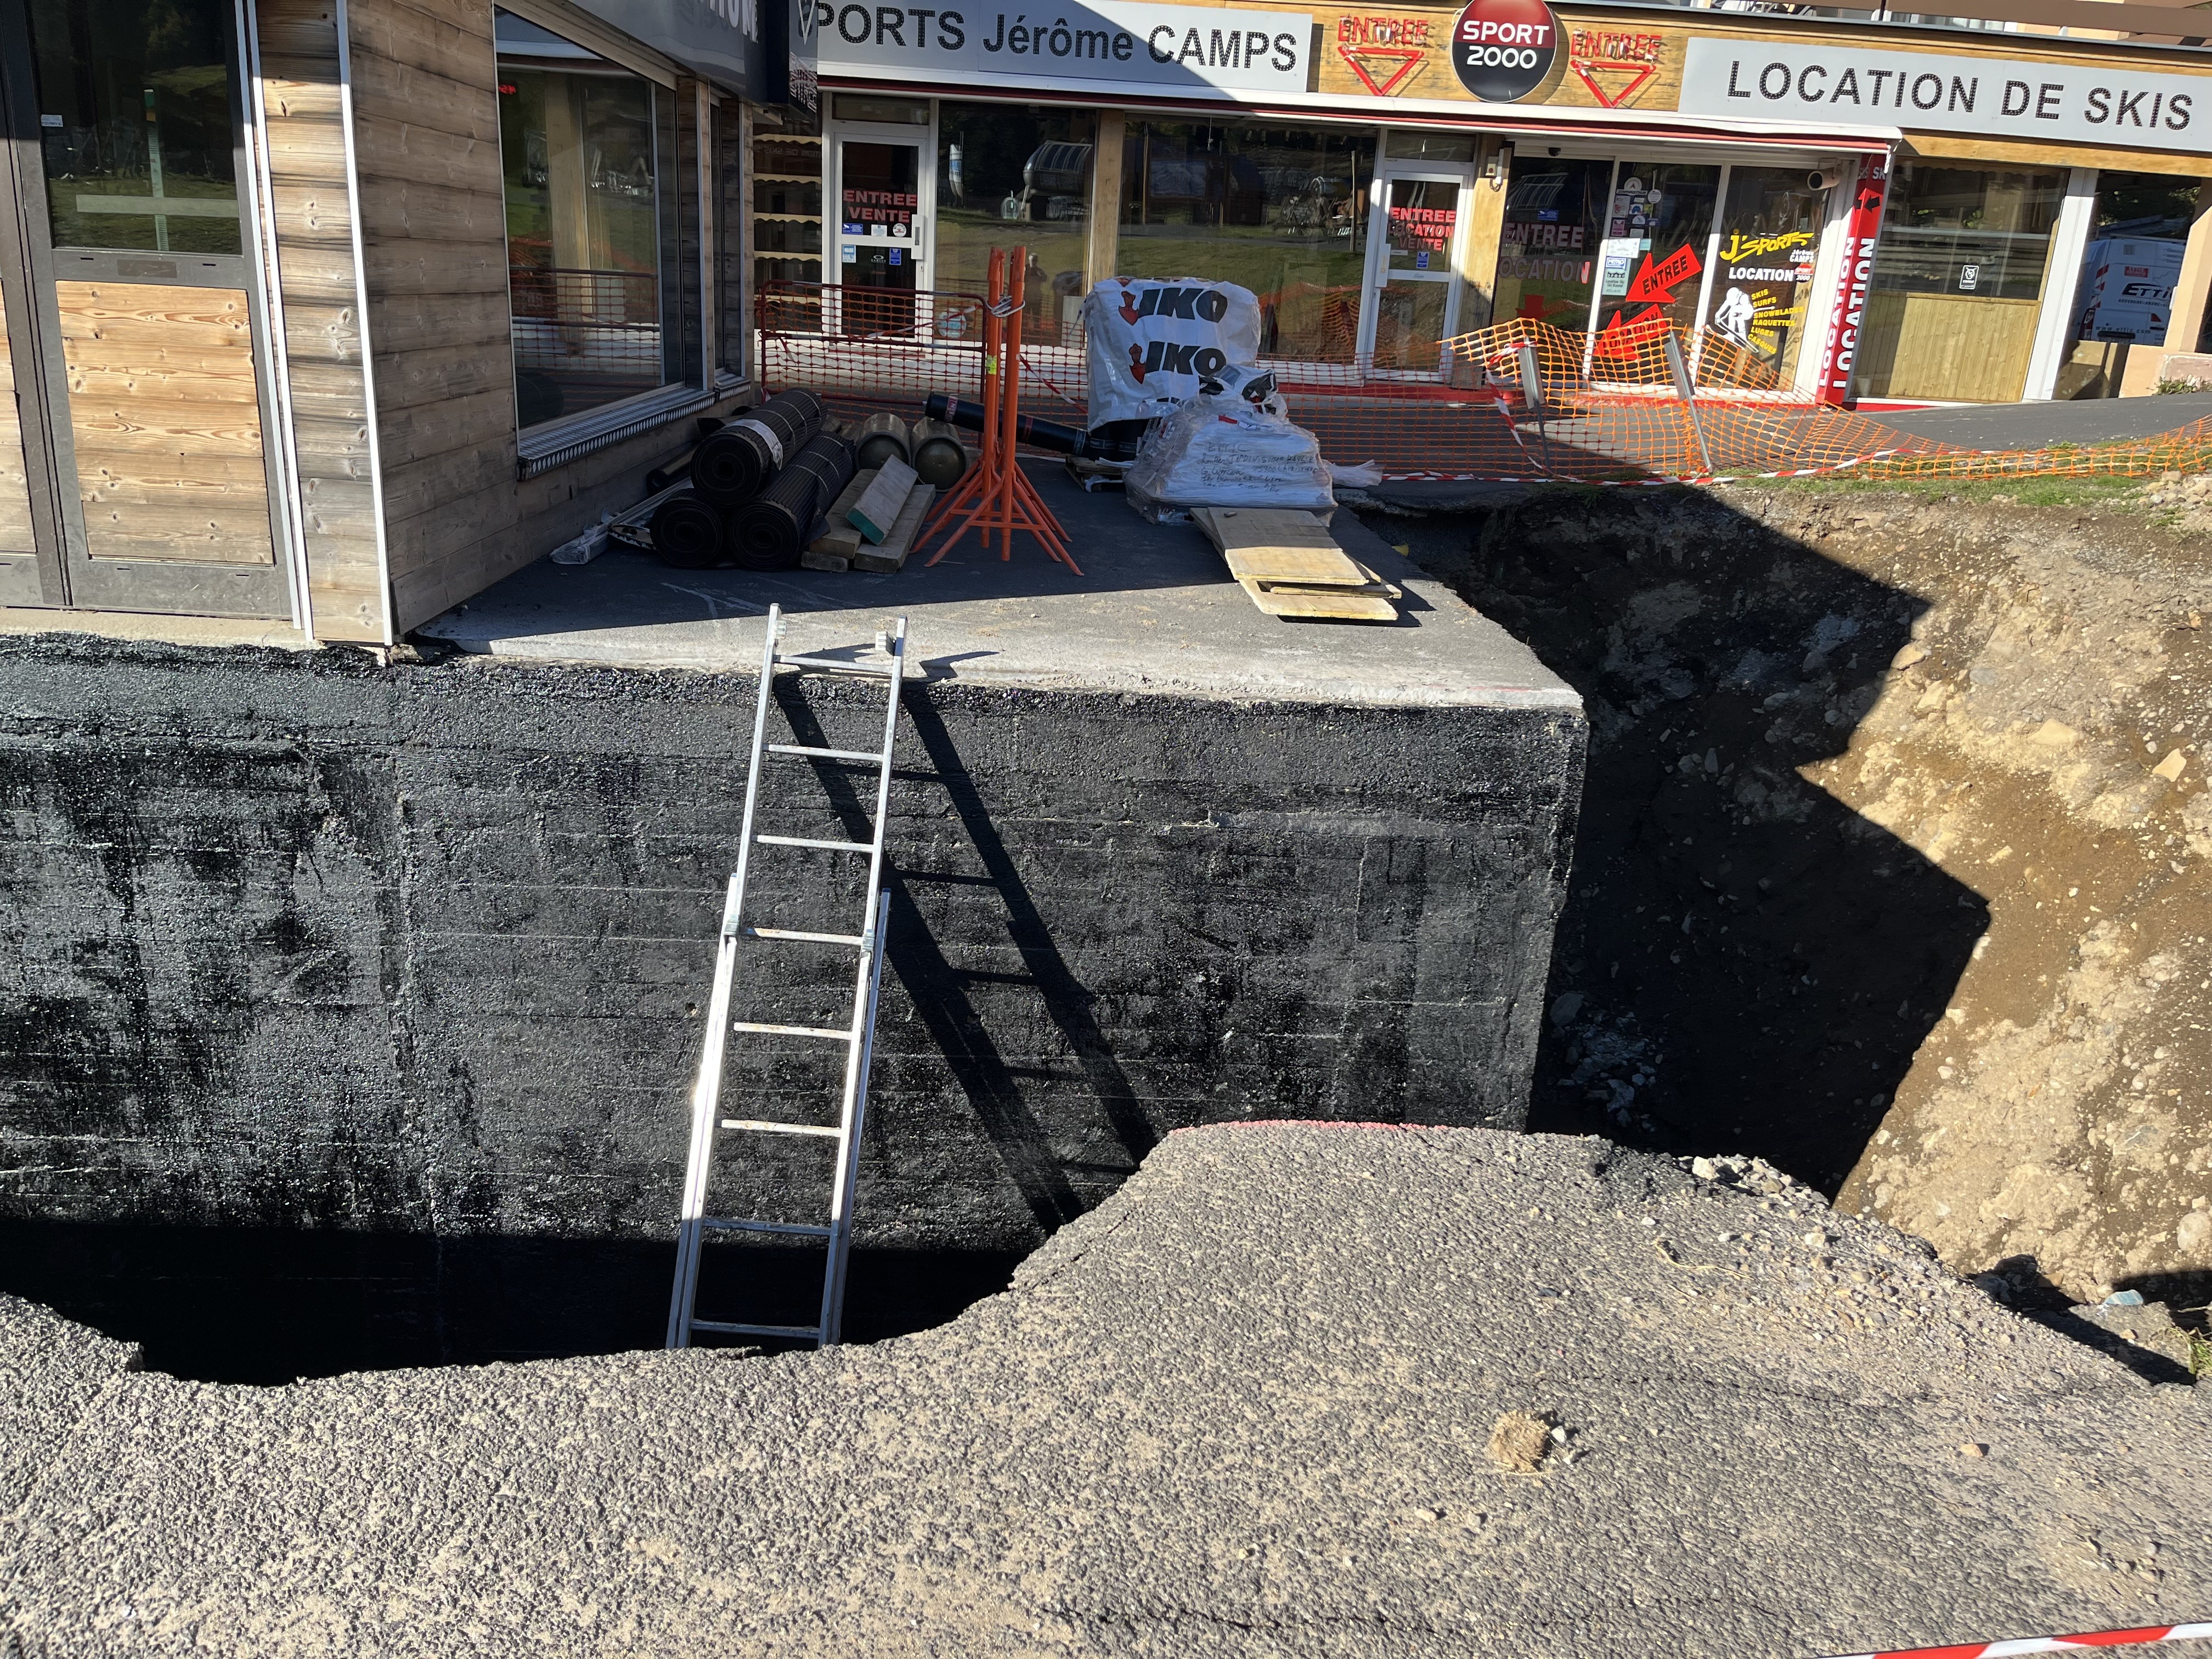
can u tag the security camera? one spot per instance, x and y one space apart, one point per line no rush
1554 151
1825 179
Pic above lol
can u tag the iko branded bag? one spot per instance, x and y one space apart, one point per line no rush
1152 340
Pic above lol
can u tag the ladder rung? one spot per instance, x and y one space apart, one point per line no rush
791 1031
795 1229
827 754
766 1127
826 846
812 938
796 1333
837 667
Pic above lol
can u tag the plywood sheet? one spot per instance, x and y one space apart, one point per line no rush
165 421
1270 544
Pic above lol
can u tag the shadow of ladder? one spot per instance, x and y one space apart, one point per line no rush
858 1037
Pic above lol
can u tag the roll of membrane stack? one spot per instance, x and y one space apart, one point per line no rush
688 533
770 532
732 466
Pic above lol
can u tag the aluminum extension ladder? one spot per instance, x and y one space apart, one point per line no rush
858 1037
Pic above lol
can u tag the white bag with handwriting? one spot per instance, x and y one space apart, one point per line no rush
1232 445
1152 340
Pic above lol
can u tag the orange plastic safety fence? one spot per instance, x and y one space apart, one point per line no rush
1520 400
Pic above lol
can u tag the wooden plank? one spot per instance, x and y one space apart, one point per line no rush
160 385
406 378
153 426
842 538
1319 604
878 507
433 213
1271 545
14 473
455 42
892 554
410 322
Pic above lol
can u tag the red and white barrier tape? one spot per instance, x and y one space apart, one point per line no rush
2102 1638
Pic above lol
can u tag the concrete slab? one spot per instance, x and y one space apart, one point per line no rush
1154 610
1242 1410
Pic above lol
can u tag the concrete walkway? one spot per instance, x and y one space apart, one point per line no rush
1242 1409
1154 610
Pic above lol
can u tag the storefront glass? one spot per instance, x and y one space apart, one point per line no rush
135 126
1547 253
1657 227
1958 276
583 223
1763 273
1281 211
2133 263
1008 175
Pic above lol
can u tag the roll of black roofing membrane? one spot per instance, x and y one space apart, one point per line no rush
687 532
732 466
771 531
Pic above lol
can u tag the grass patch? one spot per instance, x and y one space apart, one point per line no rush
2022 492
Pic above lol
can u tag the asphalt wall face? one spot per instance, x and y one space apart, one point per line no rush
303 942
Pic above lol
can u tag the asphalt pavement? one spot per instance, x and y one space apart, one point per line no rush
1243 1408
2030 426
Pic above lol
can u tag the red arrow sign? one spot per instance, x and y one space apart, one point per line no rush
1625 337
1655 284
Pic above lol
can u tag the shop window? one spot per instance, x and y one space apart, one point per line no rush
1457 149
1658 226
1547 251
597 288
1763 271
2139 231
1958 276
136 123
1008 175
1280 210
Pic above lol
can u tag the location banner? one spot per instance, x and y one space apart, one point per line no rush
1833 84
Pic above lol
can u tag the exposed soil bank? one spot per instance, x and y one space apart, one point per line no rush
1894 852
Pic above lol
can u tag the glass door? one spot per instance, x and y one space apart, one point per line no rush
884 191
1413 290
135 327
1762 273
1653 264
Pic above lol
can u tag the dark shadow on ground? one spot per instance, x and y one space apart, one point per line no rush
242 1304
1744 964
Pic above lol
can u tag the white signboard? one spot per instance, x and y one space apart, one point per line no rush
1118 42
1841 85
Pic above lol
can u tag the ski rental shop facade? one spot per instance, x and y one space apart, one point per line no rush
321 316
2033 206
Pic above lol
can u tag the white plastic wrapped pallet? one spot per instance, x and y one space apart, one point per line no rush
1232 444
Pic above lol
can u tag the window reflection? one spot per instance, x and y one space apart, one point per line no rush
1282 211
137 125
583 224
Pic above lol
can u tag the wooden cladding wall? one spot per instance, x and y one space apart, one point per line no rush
14 474
426 103
165 422
313 213
1946 345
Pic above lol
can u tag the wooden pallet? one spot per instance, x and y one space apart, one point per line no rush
1289 565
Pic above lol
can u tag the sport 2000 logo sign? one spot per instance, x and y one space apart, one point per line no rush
1503 49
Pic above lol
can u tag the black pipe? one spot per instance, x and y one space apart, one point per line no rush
732 466
770 532
1034 430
